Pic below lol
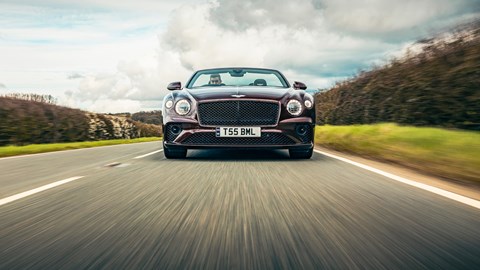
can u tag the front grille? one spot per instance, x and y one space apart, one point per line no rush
238 113
267 138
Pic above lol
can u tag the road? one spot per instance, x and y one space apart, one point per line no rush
223 210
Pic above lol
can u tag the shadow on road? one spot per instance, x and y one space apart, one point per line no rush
238 155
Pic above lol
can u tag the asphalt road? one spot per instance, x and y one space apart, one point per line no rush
224 210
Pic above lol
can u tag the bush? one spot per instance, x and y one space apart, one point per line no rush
25 122
440 86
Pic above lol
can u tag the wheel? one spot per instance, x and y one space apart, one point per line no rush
175 153
301 154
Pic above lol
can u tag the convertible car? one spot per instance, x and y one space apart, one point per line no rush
238 108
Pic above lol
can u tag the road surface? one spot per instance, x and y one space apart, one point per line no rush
222 210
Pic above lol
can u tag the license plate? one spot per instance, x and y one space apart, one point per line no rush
238 132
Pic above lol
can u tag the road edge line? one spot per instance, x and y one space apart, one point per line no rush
37 190
146 155
438 191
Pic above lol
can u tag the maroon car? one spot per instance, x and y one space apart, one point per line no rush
238 108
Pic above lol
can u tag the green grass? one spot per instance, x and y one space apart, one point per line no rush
448 153
6 151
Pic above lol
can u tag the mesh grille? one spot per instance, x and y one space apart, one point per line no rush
238 113
209 138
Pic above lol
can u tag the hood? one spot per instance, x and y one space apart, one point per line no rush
271 93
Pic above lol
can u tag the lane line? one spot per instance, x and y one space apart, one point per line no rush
438 191
37 190
146 155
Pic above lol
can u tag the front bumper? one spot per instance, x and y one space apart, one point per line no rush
294 133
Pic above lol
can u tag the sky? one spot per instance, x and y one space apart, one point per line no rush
118 56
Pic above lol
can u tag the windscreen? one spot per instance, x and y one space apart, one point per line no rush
237 77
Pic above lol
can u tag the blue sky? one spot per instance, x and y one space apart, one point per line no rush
118 56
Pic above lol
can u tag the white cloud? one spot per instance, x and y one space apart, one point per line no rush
159 7
380 16
261 13
115 106
142 80
202 41
75 75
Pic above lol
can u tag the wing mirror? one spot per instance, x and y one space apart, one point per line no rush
174 86
299 85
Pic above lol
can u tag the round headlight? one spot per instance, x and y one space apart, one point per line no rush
169 104
308 104
294 107
182 107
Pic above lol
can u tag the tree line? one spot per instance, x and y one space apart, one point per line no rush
48 99
25 121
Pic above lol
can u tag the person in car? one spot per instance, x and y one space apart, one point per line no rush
215 79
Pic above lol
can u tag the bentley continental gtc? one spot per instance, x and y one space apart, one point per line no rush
238 108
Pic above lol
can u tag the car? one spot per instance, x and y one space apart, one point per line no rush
235 108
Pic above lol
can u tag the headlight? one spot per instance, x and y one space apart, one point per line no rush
169 104
182 107
308 104
294 107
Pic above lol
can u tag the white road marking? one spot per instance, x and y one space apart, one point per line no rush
438 191
36 190
146 155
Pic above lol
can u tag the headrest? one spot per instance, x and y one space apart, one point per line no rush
260 82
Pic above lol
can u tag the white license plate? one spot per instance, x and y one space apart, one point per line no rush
238 132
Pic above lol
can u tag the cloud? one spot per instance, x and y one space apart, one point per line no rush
3 86
115 106
213 34
318 42
161 8
264 13
395 20
47 24
142 81
323 38
380 16
74 76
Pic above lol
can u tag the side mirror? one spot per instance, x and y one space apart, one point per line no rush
174 86
299 85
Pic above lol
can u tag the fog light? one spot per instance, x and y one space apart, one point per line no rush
301 130
176 130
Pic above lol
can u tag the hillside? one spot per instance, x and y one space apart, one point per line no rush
26 122
439 85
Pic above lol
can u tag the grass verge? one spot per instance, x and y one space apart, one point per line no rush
6 151
447 153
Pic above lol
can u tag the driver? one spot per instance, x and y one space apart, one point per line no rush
215 79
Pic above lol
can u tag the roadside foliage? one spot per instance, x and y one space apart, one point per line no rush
438 85
33 122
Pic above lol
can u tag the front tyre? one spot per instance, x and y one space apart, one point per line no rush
300 154
175 153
